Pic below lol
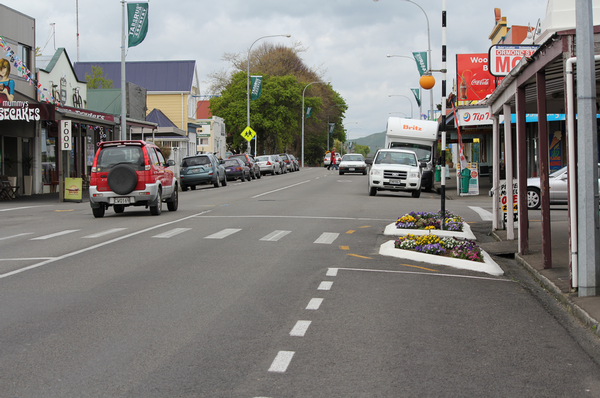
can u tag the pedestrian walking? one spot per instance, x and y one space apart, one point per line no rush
333 163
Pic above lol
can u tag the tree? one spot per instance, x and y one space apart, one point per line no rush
97 79
277 115
362 149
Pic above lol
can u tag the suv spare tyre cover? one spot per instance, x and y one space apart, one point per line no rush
122 179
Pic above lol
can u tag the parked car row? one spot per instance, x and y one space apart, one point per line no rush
135 173
207 169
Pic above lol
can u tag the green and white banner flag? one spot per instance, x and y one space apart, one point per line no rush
416 92
308 112
137 18
421 58
331 128
255 87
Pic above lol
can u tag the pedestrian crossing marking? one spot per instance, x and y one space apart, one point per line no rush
327 238
103 233
65 232
275 236
223 234
172 233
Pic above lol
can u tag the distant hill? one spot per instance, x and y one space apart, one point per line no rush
374 142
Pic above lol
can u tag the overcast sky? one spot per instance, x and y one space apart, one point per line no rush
347 40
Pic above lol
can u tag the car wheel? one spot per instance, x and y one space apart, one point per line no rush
243 177
98 211
216 183
184 188
372 191
122 179
259 175
224 183
119 209
173 203
341 173
534 198
156 209
193 187
416 194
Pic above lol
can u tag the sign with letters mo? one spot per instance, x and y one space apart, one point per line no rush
502 58
65 135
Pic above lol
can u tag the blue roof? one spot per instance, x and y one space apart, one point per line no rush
156 116
168 76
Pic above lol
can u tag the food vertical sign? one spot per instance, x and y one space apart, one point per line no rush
65 135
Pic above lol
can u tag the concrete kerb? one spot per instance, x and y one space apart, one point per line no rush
547 284
489 266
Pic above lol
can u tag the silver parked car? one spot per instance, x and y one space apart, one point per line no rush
268 164
559 193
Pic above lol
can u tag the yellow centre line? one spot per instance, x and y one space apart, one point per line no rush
356 255
350 232
58 211
416 266
344 247
365 226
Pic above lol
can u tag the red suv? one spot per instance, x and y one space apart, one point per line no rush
131 173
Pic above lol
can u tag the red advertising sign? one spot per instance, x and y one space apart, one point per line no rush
474 79
505 57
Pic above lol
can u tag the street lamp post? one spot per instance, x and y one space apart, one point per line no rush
348 131
328 123
303 91
411 105
248 89
428 51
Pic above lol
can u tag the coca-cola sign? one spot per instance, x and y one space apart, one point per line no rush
473 77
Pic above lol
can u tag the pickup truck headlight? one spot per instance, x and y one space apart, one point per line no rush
414 174
376 172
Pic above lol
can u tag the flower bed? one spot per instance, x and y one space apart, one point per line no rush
433 244
427 221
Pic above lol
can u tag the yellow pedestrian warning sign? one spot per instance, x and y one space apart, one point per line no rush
248 133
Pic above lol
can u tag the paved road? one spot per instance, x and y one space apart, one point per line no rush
269 288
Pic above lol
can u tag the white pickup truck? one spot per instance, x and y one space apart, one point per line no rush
395 170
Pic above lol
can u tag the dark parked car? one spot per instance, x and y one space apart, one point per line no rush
235 168
281 163
289 164
249 161
201 169
295 161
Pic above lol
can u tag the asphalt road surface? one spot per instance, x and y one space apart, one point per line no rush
270 288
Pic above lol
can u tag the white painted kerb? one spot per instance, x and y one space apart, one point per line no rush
489 266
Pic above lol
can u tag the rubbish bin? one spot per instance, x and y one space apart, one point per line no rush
465 176
438 173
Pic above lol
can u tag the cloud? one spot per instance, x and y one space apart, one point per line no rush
346 39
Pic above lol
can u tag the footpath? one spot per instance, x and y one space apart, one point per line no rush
554 280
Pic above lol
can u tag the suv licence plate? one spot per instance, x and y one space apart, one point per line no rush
395 182
351 169
121 201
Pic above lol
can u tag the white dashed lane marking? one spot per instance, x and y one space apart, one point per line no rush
281 361
314 304
325 285
299 330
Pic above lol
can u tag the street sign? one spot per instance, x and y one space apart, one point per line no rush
502 58
248 134
65 135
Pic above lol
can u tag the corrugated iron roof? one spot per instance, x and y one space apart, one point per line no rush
167 76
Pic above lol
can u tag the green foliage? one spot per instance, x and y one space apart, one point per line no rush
276 116
97 79
362 149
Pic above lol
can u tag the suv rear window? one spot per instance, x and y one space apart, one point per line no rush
195 161
126 154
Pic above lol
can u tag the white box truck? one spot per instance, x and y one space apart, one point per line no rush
419 136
